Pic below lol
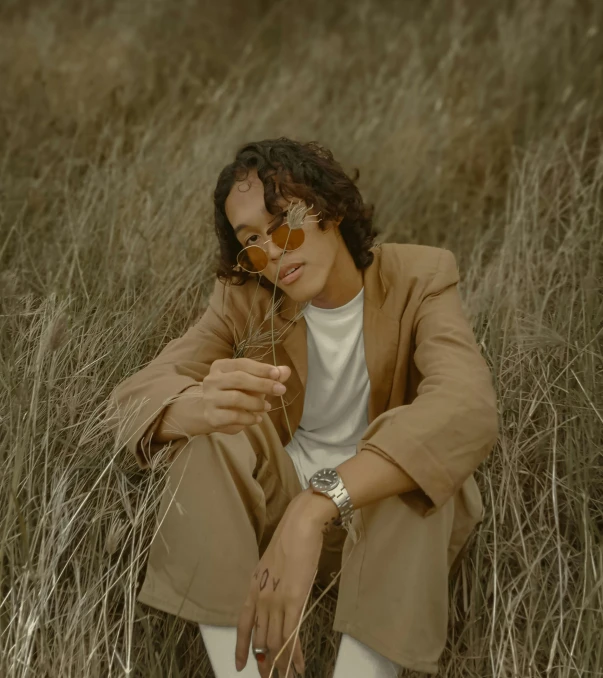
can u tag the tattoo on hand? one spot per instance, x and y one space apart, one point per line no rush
264 579
275 583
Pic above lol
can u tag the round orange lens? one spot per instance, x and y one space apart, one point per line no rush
288 238
252 259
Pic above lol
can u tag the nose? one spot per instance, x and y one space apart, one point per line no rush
273 250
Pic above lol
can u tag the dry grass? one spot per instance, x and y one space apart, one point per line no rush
476 126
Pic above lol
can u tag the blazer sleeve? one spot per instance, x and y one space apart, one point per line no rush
452 425
137 405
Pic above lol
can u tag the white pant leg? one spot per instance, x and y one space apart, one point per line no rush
220 642
356 660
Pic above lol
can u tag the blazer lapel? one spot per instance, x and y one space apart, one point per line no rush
381 337
295 345
294 338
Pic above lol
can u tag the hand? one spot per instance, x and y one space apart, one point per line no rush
279 588
234 392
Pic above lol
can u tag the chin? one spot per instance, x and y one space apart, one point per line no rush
304 290
297 295
303 294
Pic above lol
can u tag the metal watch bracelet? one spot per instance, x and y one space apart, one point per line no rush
337 491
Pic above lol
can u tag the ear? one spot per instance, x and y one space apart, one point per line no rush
334 224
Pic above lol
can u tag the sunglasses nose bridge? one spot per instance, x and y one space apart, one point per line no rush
271 248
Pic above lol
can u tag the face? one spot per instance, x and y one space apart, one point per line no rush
326 266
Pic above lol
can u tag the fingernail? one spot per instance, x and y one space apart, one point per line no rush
275 373
267 406
279 388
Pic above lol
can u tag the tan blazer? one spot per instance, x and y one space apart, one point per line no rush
432 405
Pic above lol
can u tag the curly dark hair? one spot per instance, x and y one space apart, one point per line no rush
306 171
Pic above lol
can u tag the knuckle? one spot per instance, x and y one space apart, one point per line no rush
248 605
210 384
292 598
264 595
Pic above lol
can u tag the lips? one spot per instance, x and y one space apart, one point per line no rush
285 269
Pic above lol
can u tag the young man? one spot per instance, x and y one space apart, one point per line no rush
388 409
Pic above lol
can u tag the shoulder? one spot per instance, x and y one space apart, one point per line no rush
413 272
415 262
234 302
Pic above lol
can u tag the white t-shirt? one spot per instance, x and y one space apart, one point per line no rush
335 411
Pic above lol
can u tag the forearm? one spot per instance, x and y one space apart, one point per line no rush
368 477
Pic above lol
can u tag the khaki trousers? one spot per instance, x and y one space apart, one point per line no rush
223 501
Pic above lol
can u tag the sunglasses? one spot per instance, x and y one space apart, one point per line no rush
288 236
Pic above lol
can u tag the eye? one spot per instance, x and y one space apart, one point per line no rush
247 243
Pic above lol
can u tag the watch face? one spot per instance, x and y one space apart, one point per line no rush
325 479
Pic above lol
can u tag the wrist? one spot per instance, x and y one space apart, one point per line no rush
183 417
318 509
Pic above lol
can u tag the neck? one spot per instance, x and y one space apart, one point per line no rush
343 284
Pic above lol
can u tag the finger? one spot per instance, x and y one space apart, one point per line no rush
260 638
260 396
242 381
275 640
290 623
225 418
238 400
285 373
253 367
244 630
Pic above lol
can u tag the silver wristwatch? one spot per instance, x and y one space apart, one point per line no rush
328 482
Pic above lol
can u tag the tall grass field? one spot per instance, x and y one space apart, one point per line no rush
476 125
